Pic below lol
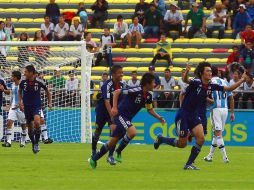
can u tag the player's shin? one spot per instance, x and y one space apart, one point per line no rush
31 134
221 146
169 141
23 134
194 153
44 131
111 151
213 147
104 149
95 139
125 141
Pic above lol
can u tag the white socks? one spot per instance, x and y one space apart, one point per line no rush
44 132
220 143
8 135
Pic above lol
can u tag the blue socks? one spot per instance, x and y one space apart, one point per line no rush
111 151
125 141
31 135
194 153
37 135
169 141
103 151
95 139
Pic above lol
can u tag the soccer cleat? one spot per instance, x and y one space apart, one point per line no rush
157 142
226 160
208 159
92 163
118 157
7 145
48 141
111 161
190 167
36 148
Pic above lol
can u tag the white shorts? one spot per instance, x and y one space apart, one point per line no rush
42 115
17 115
218 118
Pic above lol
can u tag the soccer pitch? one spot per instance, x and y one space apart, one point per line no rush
64 166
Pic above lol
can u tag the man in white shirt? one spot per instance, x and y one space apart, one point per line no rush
61 30
134 80
248 98
120 29
218 17
47 28
71 87
167 83
76 30
182 85
236 95
173 19
3 53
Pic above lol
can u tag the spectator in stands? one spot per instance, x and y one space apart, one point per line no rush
248 97
182 85
167 83
247 35
23 51
76 30
227 7
47 28
61 30
3 89
140 10
57 84
235 78
157 85
100 8
136 31
247 57
82 13
9 29
163 48
91 46
161 6
3 37
235 6
197 17
250 10
152 22
208 3
241 19
71 87
134 80
120 30
173 19
234 56
53 11
40 52
107 42
218 16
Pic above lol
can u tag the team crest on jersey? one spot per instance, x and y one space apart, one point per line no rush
36 86
138 99
209 91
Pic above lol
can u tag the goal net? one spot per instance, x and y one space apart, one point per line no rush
66 69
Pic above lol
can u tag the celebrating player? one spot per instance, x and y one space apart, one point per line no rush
219 114
30 103
15 114
103 109
187 118
136 98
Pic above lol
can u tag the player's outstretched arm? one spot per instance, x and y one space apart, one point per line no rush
186 74
114 110
237 84
232 107
49 99
157 116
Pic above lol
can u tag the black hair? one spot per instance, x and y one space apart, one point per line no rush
167 69
134 72
16 74
46 16
214 71
248 25
105 74
147 78
152 5
200 68
163 34
30 68
115 68
106 27
233 47
119 17
1 22
133 17
86 34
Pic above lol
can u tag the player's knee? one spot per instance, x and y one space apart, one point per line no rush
132 132
201 140
182 143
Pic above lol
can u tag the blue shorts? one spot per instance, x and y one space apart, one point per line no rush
122 124
185 122
102 117
204 123
31 111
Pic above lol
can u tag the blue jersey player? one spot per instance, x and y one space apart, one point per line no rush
187 118
136 98
30 103
104 106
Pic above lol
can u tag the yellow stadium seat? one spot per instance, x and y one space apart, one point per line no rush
14 48
147 60
33 1
128 10
12 10
20 30
170 40
97 87
47 77
226 41
94 30
4 1
126 78
176 69
205 50
68 10
14 19
230 51
32 29
207 11
160 69
78 69
55 59
177 50
18 1
15 39
2 11
119 1
117 50
96 39
182 40
95 77
142 69
237 41
111 20
66 77
26 10
38 20
185 11
228 31
145 50
211 40
196 60
190 50
44 1
75 1
128 21
176 87
71 59
11 58
100 68
213 60
129 69
62 1
224 60
26 20
70 49
66 68
78 77
31 59
130 50
180 60
115 10
133 59
196 40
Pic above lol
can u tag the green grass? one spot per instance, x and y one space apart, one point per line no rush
64 166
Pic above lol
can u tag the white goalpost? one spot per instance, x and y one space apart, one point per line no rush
66 68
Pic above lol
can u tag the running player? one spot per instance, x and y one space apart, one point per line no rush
187 118
219 114
103 109
30 103
15 114
136 99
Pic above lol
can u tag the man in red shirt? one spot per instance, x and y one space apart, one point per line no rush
234 56
247 35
